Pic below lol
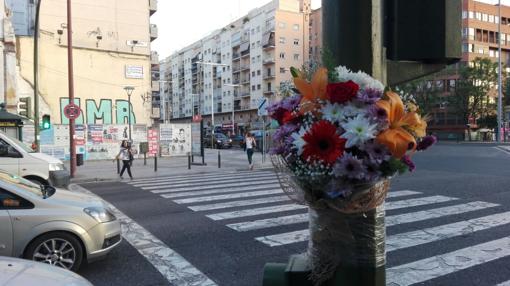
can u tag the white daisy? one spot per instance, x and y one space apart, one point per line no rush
358 130
299 142
333 112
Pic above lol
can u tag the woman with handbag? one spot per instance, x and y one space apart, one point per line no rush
250 144
126 155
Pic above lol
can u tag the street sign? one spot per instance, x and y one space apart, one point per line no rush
72 111
262 109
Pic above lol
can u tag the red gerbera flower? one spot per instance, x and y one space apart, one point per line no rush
323 143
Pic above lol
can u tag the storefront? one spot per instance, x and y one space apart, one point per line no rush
11 124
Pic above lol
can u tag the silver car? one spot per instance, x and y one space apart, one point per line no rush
55 227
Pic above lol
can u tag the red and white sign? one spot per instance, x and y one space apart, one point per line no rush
152 138
197 118
72 111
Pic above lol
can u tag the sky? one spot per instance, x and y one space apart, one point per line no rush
182 22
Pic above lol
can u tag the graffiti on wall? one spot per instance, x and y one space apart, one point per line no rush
103 111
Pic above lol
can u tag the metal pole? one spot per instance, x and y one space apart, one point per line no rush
233 118
36 71
212 107
71 86
500 96
129 115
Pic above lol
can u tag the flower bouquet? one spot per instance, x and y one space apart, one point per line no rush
340 139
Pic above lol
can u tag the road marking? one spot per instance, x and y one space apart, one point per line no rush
207 181
390 220
239 203
239 184
269 222
402 193
229 196
176 269
440 265
437 213
427 235
217 191
198 176
257 211
394 205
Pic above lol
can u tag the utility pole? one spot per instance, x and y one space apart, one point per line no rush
499 132
71 87
36 71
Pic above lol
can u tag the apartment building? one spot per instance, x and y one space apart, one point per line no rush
111 50
234 68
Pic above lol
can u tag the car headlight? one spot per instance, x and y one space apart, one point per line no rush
100 214
219 141
56 166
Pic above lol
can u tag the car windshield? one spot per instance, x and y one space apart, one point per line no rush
221 136
22 145
21 183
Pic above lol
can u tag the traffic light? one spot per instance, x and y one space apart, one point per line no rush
25 107
46 123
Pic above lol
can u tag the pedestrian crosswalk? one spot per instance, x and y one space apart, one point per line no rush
253 203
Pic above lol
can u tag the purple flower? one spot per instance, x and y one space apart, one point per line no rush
290 103
377 114
277 150
426 142
377 152
407 161
372 171
369 95
349 166
284 131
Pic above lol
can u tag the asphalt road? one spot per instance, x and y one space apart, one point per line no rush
446 223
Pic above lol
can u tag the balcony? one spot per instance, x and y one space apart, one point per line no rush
236 81
154 32
269 61
153 6
155 86
269 46
154 58
236 56
269 91
269 76
245 94
236 69
245 68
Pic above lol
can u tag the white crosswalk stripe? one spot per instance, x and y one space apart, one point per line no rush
252 202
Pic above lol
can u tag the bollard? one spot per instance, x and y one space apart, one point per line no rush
189 161
155 163
118 166
219 159
145 159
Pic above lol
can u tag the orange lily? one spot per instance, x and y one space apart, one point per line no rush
396 137
312 91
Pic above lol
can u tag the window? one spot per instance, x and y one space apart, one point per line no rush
491 18
478 16
282 70
258 72
253 73
485 17
295 27
252 45
471 15
252 87
282 25
282 40
296 42
11 201
282 55
258 59
258 86
480 51
464 14
296 57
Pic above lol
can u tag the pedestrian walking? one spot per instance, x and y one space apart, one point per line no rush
250 145
126 155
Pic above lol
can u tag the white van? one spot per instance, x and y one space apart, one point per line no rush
19 159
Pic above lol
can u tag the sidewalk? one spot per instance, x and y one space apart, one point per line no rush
231 161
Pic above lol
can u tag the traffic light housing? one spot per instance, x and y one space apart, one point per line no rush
46 123
25 107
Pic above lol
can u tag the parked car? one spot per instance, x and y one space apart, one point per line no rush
238 140
221 141
60 228
21 160
21 272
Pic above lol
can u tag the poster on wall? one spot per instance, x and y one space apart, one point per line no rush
152 139
165 132
28 134
181 140
46 137
95 134
80 138
61 134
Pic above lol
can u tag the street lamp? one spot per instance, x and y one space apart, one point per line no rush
233 108
212 93
129 90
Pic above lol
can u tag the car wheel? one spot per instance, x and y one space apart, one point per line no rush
57 248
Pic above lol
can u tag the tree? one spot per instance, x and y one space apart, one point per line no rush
471 99
422 93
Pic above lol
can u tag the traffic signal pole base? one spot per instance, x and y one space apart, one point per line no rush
297 273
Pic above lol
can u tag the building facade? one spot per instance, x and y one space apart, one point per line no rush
231 71
111 50
8 67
